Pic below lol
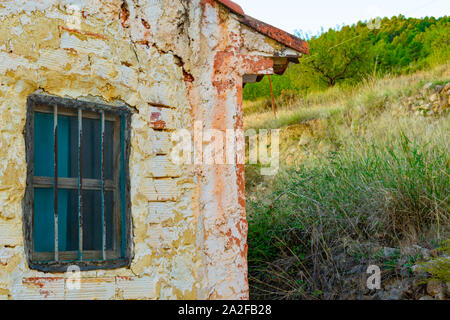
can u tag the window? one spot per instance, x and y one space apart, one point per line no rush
76 209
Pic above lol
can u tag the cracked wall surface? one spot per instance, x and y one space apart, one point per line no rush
175 62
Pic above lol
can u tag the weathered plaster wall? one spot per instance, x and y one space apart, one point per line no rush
175 62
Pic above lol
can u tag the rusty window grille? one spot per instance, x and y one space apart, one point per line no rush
77 205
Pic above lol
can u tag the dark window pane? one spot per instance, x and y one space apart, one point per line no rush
109 136
92 220
67 147
109 220
43 221
91 149
43 145
68 220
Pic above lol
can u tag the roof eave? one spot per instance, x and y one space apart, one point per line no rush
276 34
268 30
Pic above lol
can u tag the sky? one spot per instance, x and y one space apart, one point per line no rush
310 15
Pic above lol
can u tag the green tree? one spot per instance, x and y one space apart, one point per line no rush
340 56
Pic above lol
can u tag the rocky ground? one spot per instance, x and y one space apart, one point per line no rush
403 276
426 104
344 276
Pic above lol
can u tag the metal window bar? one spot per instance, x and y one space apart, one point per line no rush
55 178
80 187
103 185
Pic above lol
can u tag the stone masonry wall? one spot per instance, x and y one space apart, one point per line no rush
175 62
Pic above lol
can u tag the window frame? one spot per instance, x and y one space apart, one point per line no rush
119 110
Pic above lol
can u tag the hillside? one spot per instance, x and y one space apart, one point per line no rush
364 180
350 54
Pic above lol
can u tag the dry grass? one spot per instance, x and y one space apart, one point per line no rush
292 109
365 173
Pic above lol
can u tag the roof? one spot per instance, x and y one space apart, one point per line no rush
272 32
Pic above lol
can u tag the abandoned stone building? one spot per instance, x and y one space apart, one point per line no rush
90 92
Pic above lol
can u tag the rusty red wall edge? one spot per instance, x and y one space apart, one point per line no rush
268 30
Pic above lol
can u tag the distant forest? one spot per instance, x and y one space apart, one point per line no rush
347 56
